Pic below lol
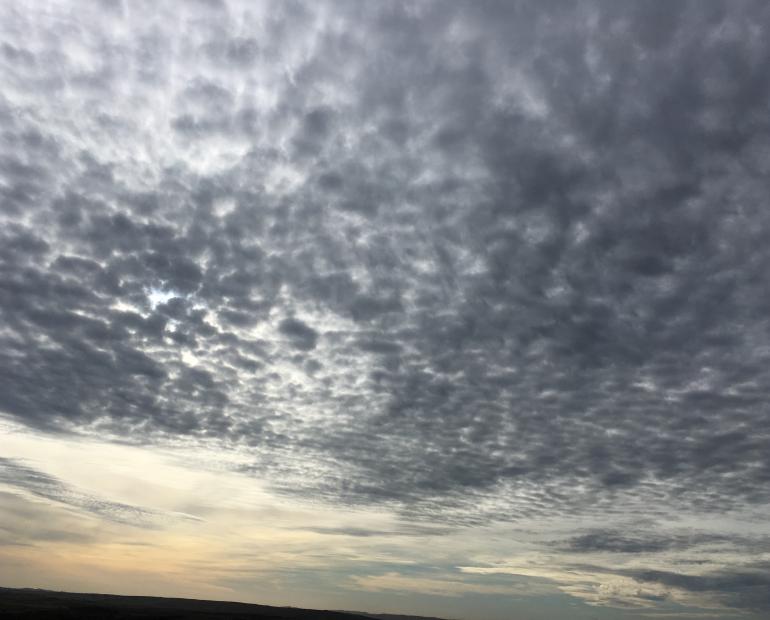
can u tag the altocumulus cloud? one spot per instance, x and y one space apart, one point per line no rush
470 261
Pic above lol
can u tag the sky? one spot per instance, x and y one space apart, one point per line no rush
447 308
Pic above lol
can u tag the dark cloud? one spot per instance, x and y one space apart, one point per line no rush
301 335
613 541
472 261
746 589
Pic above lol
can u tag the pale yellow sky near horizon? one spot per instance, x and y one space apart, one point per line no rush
181 522
202 528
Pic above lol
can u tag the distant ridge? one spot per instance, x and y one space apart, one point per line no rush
37 604
394 616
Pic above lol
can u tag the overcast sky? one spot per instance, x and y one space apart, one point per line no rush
459 309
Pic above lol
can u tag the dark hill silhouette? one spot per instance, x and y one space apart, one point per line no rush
395 616
34 604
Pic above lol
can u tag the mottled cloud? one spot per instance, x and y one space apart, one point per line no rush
362 532
736 588
614 541
472 262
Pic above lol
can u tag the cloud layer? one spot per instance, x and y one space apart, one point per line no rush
473 262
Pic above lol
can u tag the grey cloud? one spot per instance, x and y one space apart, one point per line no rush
745 589
379 346
477 262
614 541
301 335
359 532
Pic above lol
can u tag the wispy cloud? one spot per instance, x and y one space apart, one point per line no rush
39 484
